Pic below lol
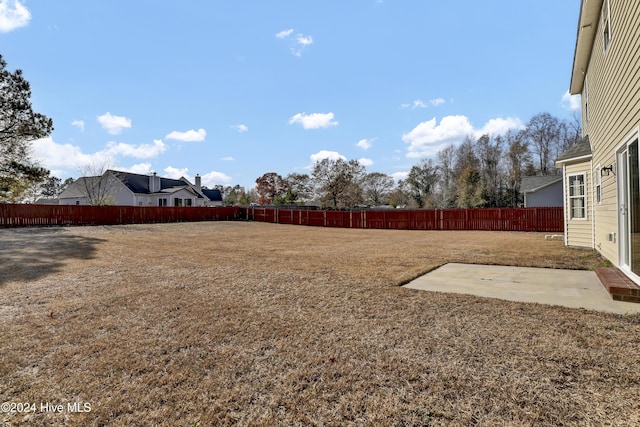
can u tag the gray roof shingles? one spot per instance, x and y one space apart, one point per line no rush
213 194
532 183
577 150
140 183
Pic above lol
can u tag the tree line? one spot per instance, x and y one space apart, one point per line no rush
480 172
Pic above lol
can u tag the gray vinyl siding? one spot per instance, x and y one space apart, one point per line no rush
550 195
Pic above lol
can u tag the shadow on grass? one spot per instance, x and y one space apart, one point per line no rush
32 253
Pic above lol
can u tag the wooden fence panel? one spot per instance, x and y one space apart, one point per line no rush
285 216
483 219
336 219
494 219
357 219
12 215
453 219
397 220
375 219
316 218
548 219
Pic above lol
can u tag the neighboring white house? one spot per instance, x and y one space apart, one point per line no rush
130 189
602 175
542 191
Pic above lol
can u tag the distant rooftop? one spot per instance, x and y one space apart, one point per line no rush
531 184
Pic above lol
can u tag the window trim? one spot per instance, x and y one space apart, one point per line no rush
583 196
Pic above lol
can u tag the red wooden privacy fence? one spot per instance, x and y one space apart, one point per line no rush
42 215
498 219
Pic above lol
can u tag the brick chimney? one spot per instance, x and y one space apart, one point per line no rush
198 182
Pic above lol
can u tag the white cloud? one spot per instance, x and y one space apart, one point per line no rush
365 162
571 102
240 128
418 104
399 176
13 15
79 124
303 40
142 151
298 44
188 136
139 168
284 33
364 143
63 156
313 120
214 178
429 137
499 126
67 157
227 159
325 154
175 173
114 124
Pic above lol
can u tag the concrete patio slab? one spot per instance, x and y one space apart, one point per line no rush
569 288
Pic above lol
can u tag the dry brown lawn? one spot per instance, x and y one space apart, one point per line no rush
225 323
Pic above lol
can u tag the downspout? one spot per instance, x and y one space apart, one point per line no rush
564 195
593 208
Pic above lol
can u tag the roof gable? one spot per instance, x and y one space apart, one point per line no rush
579 150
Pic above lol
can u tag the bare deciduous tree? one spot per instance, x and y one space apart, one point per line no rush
422 180
338 183
543 134
97 184
376 187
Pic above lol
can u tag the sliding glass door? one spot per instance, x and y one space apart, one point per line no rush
629 207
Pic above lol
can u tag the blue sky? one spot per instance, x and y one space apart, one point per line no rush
231 90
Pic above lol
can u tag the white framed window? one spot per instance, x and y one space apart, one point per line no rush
598 189
577 196
606 25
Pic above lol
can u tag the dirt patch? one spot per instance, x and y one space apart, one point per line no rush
258 324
